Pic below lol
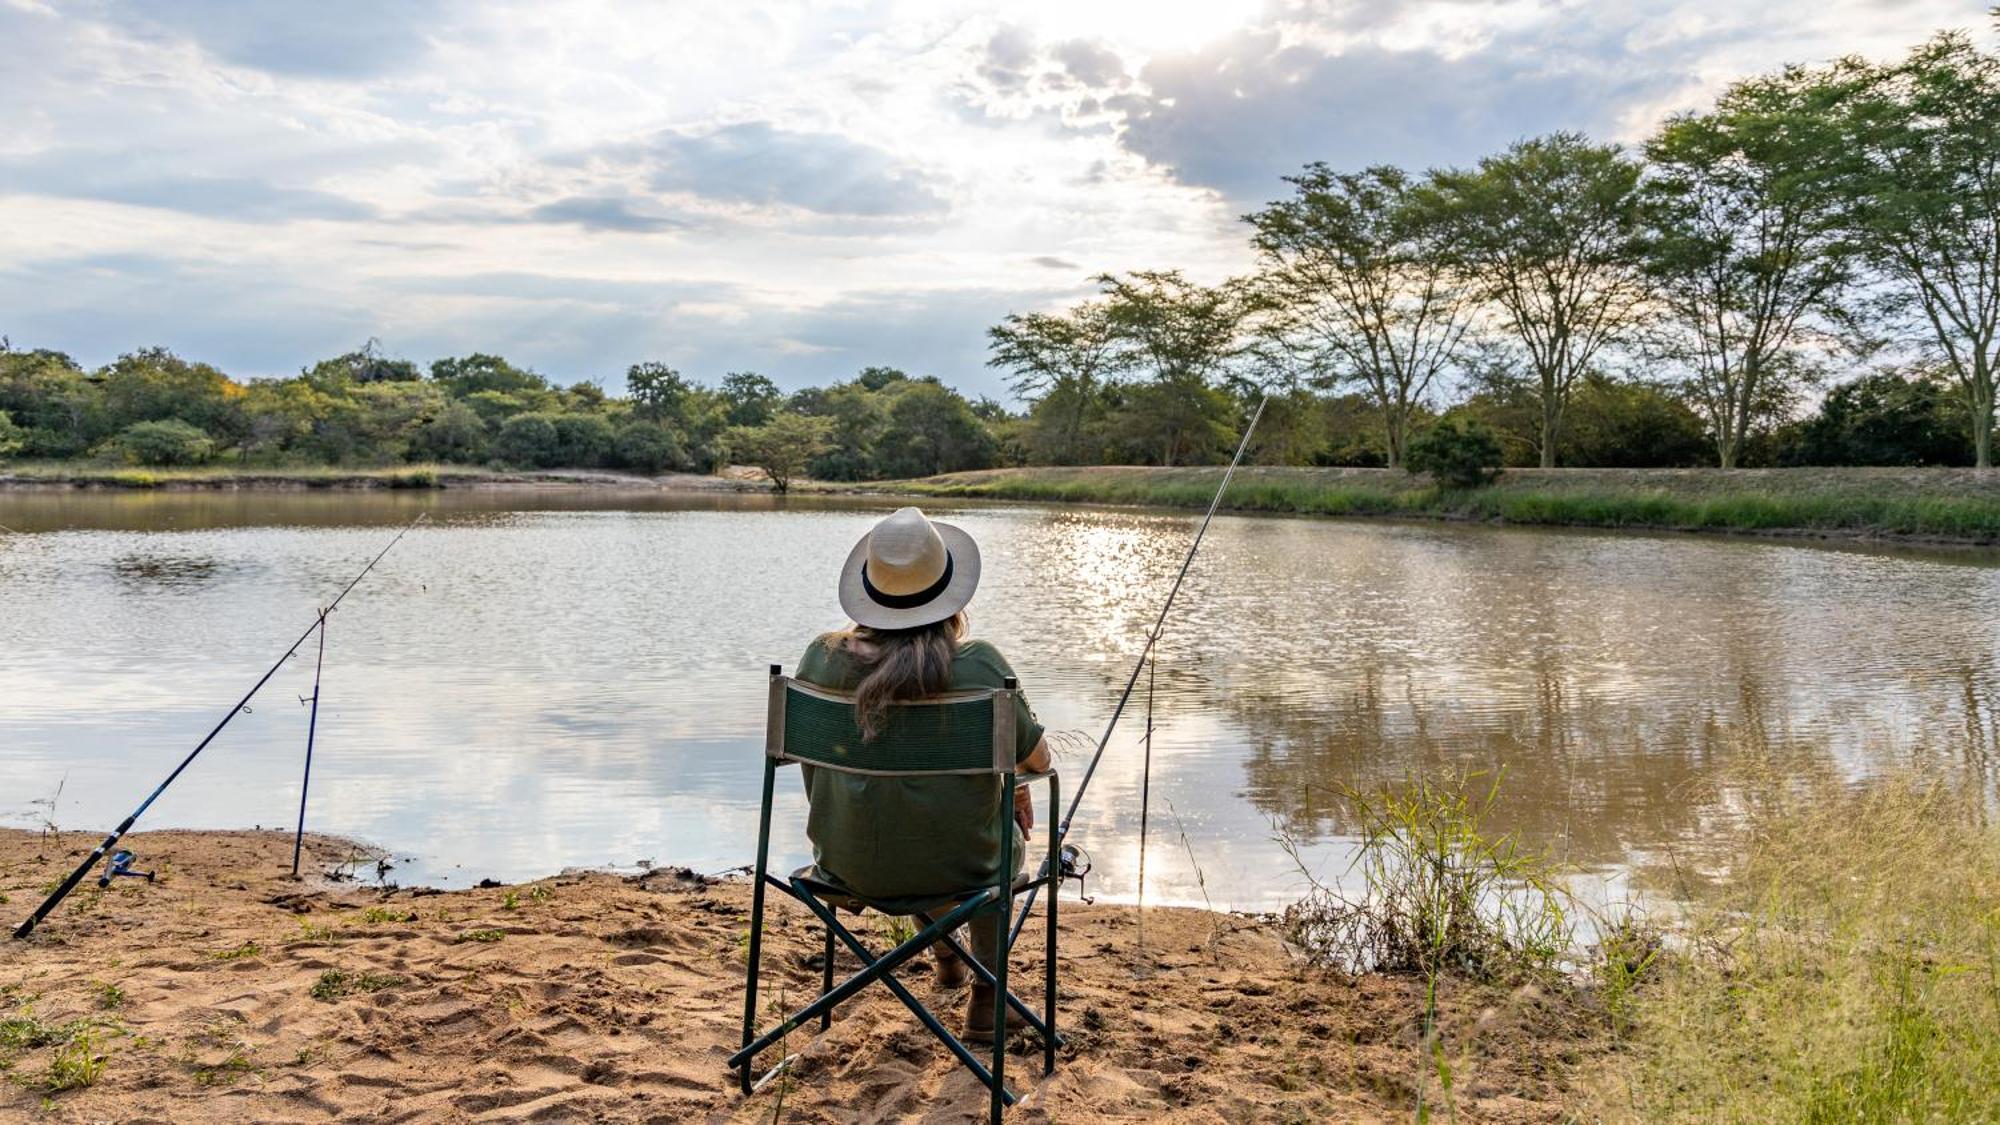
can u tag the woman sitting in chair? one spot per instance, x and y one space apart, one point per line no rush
905 586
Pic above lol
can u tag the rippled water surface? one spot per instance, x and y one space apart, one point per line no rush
536 681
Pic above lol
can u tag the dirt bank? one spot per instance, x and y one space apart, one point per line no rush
226 992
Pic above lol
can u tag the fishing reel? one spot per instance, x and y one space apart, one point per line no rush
120 863
1075 864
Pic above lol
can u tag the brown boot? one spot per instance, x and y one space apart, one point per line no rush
979 1014
951 972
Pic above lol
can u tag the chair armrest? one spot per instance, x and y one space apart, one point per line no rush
1026 778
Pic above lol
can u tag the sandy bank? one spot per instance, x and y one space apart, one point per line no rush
226 992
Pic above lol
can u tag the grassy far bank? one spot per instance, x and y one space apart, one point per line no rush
1950 504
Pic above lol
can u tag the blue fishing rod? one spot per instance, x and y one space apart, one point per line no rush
1067 854
111 841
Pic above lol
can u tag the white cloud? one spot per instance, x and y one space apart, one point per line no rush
800 188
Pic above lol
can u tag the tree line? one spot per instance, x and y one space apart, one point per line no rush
1586 304
1563 302
155 408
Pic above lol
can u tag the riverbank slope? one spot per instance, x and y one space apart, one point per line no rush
1953 505
227 992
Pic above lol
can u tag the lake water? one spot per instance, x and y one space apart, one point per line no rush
534 681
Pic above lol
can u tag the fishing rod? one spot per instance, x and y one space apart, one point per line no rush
1066 854
83 869
312 725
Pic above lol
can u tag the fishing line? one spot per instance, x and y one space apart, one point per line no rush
242 705
1145 654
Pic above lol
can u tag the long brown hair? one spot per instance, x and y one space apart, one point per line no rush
899 664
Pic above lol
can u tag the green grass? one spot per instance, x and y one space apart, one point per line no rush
336 983
1846 968
1926 503
480 936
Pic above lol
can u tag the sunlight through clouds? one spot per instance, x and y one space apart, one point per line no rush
858 183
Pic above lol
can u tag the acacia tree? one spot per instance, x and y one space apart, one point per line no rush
1187 335
781 446
1358 288
1922 198
1744 247
1544 232
1060 361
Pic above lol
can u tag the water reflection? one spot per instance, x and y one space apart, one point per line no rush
168 572
565 678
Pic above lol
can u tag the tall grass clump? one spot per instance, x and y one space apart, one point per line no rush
1441 892
1443 896
1847 967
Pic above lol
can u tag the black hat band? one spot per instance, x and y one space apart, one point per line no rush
907 601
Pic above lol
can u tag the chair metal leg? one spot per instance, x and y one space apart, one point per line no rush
879 968
1000 937
985 976
924 1016
757 918
826 978
1049 1039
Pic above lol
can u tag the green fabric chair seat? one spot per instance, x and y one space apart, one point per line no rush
831 892
964 733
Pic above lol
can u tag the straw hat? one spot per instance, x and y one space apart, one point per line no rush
908 572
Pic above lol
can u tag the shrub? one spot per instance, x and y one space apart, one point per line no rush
583 440
648 448
1461 456
531 441
167 441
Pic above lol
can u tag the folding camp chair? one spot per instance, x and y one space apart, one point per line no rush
968 732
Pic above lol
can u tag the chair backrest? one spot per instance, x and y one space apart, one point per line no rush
968 732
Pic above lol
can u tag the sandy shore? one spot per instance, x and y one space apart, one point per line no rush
226 992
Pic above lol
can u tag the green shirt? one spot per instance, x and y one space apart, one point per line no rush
894 837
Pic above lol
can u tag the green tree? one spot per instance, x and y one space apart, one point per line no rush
932 430
165 441
584 441
857 419
1460 455
453 432
1628 424
1361 290
782 447
153 383
880 378
1888 417
12 437
657 390
1745 248
59 408
647 447
1059 364
1545 232
1186 335
464 376
531 441
1922 199
366 364
749 399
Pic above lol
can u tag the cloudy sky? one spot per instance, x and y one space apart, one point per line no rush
798 189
